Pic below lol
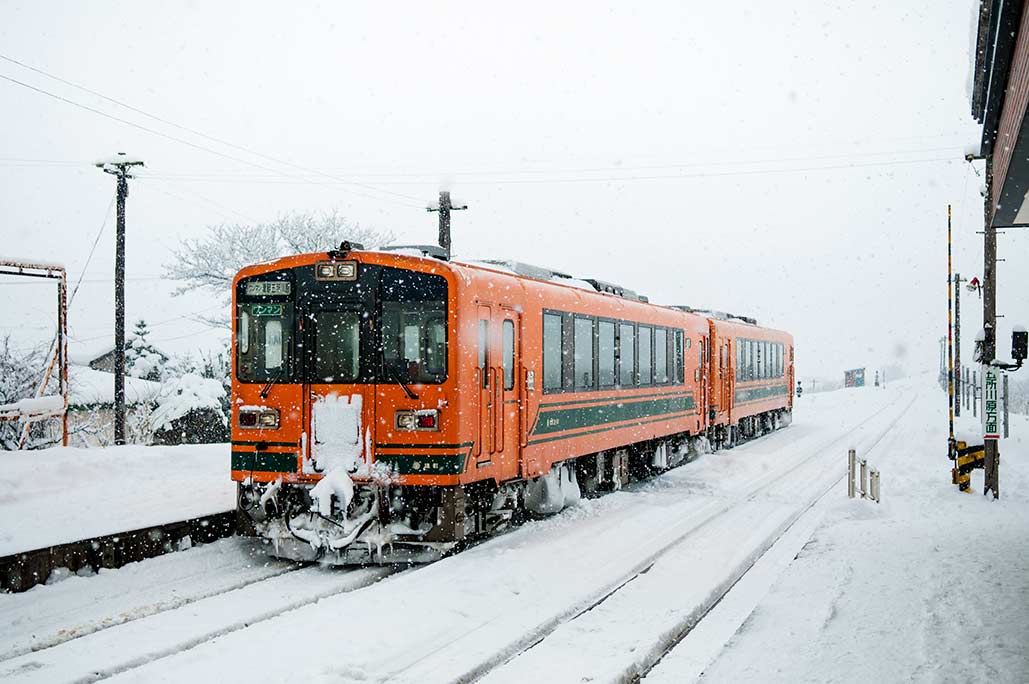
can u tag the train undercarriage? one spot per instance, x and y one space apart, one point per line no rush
344 521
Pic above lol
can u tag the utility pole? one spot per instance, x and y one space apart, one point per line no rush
991 464
444 208
951 443
119 167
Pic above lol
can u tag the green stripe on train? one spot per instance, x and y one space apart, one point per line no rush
755 393
424 464
267 461
559 420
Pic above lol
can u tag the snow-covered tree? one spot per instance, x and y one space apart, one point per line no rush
211 262
142 359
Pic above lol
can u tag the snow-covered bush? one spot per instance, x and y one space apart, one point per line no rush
189 411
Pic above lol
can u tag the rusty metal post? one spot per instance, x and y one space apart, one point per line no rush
851 462
975 396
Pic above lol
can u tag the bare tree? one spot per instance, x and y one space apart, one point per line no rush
211 262
307 232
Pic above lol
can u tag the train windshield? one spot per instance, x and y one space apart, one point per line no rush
413 327
389 326
263 338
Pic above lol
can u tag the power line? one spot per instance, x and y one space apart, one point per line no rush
233 174
598 179
220 141
92 249
207 149
221 208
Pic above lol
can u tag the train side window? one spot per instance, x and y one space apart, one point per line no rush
767 359
739 359
646 355
483 352
606 353
761 360
677 358
583 353
749 360
553 362
780 360
626 355
509 355
660 356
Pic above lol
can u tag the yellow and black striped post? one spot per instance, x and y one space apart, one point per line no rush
966 459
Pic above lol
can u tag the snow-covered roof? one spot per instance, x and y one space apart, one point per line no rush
87 387
83 354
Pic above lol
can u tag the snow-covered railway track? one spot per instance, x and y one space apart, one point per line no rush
466 616
717 519
117 648
80 606
623 635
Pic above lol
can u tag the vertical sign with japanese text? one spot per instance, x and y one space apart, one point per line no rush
991 403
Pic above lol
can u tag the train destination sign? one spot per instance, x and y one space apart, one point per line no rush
267 287
267 309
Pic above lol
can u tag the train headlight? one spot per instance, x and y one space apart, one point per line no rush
336 270
259 417
425 420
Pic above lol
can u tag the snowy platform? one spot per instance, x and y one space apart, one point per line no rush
57 496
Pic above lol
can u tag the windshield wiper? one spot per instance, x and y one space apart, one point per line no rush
268 388
407 390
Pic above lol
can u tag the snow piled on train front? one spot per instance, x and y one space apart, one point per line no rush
336 449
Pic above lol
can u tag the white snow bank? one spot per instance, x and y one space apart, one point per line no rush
54 496
928 586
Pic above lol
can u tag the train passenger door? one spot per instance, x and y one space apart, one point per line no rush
725 401
484 377
507 421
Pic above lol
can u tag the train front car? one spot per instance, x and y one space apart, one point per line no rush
344 407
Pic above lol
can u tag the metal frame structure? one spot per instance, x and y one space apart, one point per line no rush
58 355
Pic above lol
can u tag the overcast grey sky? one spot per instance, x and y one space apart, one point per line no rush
791 161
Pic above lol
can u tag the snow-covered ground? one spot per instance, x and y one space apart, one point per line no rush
930 585
755 555
55 496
